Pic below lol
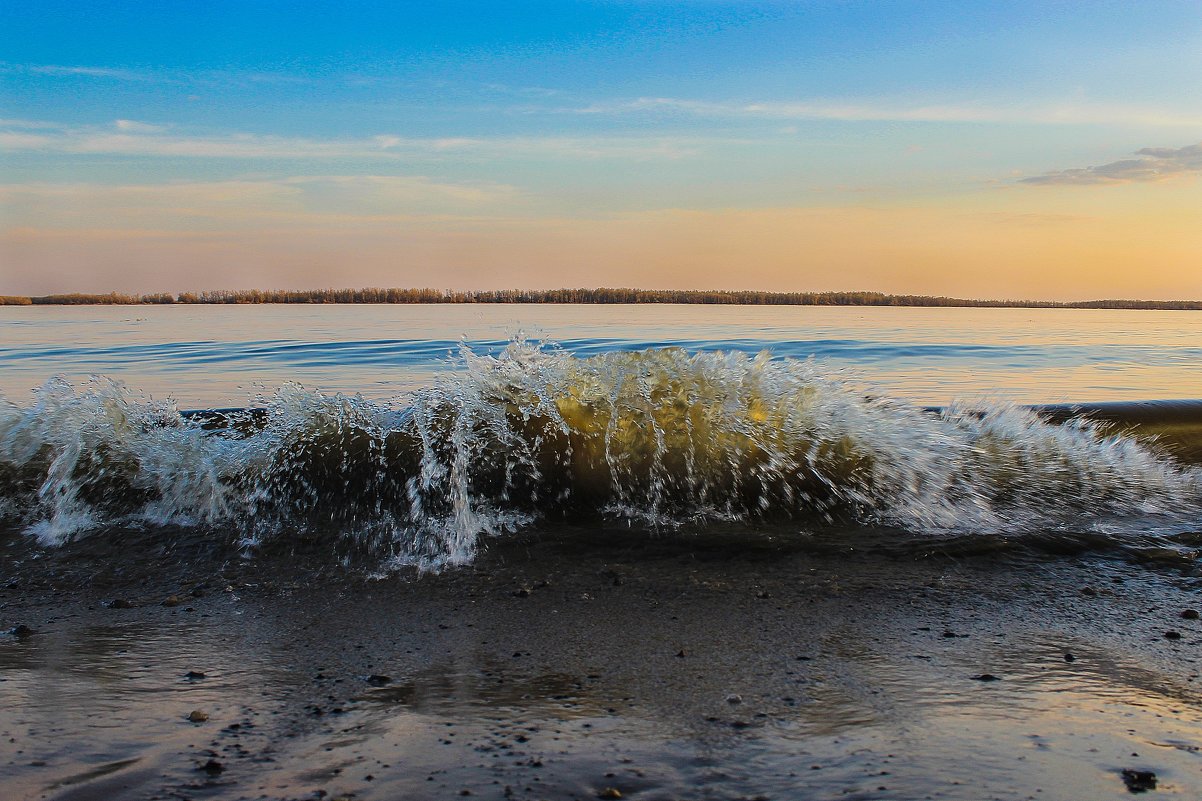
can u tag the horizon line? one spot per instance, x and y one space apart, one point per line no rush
578 296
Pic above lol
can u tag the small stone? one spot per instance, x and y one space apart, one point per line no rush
172 600
734 698
1139 781
1190 614
610 792
378 680
212 767
1068 657
986 677
120 603
522 592
21 631
681 654
194 675
1172 635
1088 591
197 716
763 595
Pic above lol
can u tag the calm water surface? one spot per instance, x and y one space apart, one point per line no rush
228 355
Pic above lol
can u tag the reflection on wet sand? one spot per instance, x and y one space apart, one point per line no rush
664 670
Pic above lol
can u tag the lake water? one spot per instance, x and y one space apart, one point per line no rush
205 356
420 430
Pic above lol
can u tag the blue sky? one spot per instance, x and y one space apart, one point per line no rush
500 141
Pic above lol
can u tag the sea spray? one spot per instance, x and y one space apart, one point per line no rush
659 437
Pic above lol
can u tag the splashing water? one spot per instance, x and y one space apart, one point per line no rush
659 436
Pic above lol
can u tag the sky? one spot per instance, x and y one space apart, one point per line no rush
1040 150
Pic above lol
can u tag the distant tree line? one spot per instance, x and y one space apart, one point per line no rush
583 296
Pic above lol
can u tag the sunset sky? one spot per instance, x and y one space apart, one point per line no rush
1048 150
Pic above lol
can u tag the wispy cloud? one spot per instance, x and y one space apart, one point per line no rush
131 138
28 124
296 198
881 111
20 140
1153 164
144 75
133 126
112 73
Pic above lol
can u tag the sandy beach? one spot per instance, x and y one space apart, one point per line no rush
577 663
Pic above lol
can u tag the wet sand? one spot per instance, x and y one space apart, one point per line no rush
648 667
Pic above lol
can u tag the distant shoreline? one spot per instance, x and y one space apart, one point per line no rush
574 296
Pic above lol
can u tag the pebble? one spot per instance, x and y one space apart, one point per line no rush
120 603
21 631
734 698
1068 657
212 767
986 677
194 675
378 680
1190 614
610 792
197 716
1139 781
172 600
1172 635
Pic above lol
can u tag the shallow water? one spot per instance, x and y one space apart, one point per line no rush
558 666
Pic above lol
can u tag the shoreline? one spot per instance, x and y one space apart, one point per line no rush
602 296
564 665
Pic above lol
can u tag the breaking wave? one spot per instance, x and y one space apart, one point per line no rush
661 437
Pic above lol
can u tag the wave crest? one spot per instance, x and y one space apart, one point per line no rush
660 436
